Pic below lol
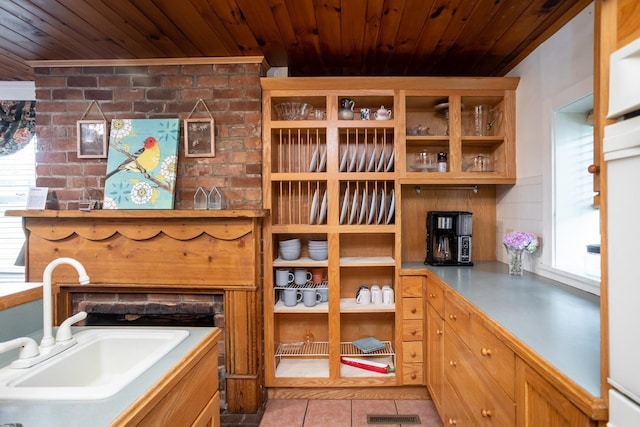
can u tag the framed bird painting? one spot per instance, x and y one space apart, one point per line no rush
142 162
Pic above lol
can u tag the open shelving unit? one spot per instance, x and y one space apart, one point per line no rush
342 181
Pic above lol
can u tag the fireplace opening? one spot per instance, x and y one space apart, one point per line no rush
187 320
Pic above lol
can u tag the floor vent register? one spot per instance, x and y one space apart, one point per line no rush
393 419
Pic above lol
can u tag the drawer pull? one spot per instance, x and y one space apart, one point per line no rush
413 310
432 295
439 332
413 354
452 363
486 413
485 351
452 422
414 332
453 317
414 376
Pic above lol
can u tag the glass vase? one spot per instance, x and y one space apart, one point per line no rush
515 261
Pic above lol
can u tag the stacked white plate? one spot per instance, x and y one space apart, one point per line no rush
290 249
318 250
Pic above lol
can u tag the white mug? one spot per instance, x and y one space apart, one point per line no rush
291 297
283 277
310 297
387 295
376 295
364 296
301 276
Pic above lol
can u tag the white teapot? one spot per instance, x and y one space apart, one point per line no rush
383 114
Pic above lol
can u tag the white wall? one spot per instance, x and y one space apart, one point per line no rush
19 91
555 74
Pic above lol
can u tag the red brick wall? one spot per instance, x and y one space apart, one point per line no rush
231 92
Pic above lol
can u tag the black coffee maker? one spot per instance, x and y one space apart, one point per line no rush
449 238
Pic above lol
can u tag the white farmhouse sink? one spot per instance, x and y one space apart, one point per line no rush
102 363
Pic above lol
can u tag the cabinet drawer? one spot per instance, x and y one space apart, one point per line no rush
454 413
412 351
413 286
412 330
412 373
412 308
498 359
457 316
435 296
485 400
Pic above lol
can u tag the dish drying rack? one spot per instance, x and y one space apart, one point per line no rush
299 359
321 349
308 285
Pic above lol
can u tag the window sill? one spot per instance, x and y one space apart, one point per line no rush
580 282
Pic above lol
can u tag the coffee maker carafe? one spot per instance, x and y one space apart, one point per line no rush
449 238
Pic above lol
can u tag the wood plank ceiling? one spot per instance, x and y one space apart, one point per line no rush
311 37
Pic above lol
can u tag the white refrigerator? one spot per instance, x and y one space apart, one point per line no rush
621 148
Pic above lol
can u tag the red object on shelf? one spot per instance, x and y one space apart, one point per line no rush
366 364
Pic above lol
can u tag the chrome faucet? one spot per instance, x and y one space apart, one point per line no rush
47 316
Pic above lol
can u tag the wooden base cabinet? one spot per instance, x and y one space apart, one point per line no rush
479 375
435 344
541 404
413 326
185 396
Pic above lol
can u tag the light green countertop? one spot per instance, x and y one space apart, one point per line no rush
560 323
96 412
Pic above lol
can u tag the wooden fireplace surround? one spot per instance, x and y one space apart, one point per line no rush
162 251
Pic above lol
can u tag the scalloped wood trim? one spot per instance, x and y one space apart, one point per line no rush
183 232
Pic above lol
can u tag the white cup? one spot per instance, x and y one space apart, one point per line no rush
364 296
310 297
291 297
324 294
387 295
376 295
301 276
283 277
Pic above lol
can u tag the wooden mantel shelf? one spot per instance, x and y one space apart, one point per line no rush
164 251
139 214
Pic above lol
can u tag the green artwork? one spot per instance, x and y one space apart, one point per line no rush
142 162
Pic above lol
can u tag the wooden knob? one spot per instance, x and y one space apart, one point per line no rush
432 295
439 332
414 332
452 422
413 310
414 376
593 169
452 363
485 351
486 413
413 354
453 317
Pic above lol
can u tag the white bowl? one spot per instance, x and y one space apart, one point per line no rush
290 254
318 254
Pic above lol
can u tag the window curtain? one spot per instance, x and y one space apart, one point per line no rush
17 125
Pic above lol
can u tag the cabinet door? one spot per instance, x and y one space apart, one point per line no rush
538 403
435 349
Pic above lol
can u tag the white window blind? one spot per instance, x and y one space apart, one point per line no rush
17 174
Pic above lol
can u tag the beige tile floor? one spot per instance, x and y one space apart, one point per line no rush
343 413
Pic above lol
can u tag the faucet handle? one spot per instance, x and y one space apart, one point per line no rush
64 331
28 347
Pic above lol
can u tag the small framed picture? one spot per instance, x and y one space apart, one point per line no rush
199 138
92 139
